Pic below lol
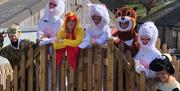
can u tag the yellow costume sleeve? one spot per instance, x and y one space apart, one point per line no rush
60 35
79 38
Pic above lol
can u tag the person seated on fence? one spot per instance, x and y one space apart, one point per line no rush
17 47
68 39
148 34
98 32
164 72
2 36
50 23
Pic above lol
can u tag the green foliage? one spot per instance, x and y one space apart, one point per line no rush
141 11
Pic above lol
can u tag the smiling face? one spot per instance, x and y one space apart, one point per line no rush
52 4
163 76
71 25
14 37
97 19
125 18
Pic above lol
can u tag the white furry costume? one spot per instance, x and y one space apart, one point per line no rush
100 32
50 23
147 53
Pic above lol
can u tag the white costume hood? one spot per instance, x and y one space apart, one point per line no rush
54 14
100 10
149 52
100 32
51 22
149 29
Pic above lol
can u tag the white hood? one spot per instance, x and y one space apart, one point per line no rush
50 23
54 15
148 52
100 10
148 28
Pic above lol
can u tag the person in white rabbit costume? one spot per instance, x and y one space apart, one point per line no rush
49 26
148 34
98 31
50 23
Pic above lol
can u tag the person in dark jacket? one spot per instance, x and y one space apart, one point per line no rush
164 72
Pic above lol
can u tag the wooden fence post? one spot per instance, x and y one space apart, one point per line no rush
21 74
89 75
15 78
1 87
43 69
97 78
142 81
110 70
54 85
30 70
130 72
80 71
8 83
63 75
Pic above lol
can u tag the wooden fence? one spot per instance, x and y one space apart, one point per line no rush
101 68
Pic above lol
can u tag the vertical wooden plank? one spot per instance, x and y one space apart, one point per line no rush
43 69
89 75
30 70
152 85
142 81
97 84
15 78
3 75
8 83
85 69
1 87
110 70
99 69
71 79
130 72
178 41
158 44
62 76
80 71
37 74
167 38
21 73
120 70
104 71
174 39
54 71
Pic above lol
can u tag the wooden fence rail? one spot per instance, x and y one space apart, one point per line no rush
100 68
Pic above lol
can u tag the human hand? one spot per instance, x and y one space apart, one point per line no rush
93 41
59 40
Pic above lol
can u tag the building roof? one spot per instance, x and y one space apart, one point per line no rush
18 10
167 16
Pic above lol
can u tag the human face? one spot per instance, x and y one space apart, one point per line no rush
145 39
52 5
14 37
163 76
97 19
70 24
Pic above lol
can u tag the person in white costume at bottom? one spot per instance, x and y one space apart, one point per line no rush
98 31
148 34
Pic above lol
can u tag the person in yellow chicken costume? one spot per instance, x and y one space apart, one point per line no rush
68 38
